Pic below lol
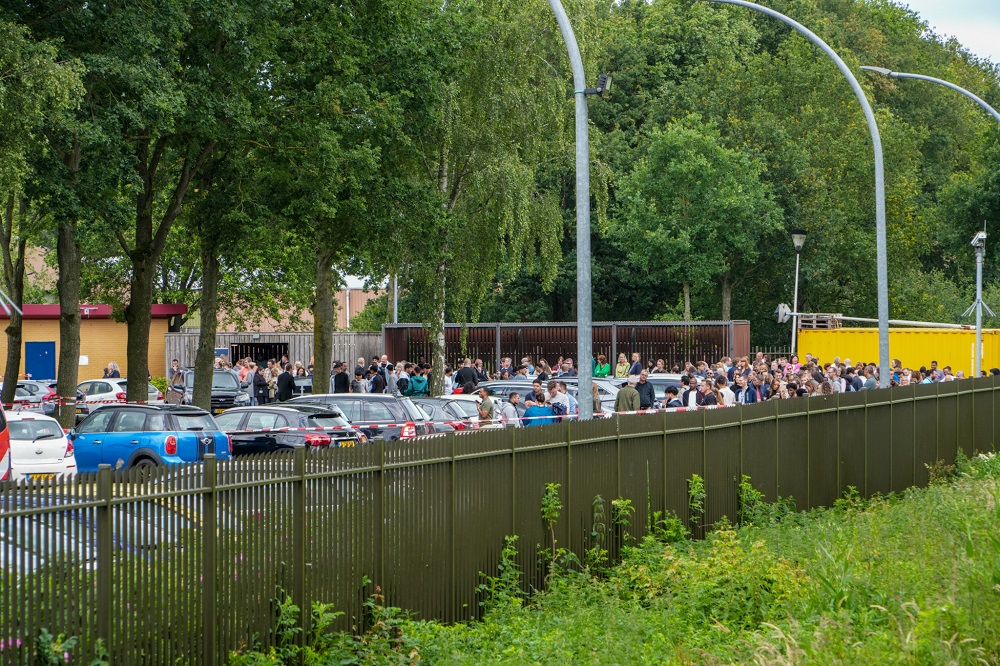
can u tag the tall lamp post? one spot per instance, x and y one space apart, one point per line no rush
584 316
798 241
880 242
979 240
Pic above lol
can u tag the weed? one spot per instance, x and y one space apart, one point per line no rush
751 503
596 555
940 472
696 501
52 650
503 590
621 513
667 528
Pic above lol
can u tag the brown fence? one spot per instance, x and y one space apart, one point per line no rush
191 562
675 342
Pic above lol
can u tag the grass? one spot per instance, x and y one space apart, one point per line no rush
909 579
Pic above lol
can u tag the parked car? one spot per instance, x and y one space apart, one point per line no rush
226 390
379 414
39 395
39 448
246 428
448 412
98 392
139 435
23 401
606 388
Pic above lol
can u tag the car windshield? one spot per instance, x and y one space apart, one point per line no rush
220 380
196 422
31 430
327 420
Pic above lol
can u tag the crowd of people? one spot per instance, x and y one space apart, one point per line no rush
729 381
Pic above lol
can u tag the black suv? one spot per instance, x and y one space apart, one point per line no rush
226 390
377 414
256 429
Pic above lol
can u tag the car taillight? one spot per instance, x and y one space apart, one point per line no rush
69 448
159 395
229 444
314 439
51 397
409 431
170 445
120 397
457 425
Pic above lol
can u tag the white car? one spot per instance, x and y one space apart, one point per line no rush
106 391
39 448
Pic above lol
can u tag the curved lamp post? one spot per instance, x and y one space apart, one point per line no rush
880 243
979 241
584 322
947 84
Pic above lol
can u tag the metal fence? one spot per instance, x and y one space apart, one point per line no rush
673 341
190 562
347 346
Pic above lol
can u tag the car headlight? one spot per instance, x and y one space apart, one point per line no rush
242 398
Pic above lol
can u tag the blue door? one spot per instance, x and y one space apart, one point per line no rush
40 360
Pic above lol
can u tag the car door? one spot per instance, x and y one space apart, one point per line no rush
125 435
375 415
263 442
88 440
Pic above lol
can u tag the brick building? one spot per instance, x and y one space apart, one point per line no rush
102 339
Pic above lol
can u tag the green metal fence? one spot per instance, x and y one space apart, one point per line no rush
187 563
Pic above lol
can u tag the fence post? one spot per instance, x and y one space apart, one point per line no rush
208 560
299 543
105 555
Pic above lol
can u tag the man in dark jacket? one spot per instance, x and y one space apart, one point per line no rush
378 379
466 374
341 381
746 394
647 396
286 384
692 397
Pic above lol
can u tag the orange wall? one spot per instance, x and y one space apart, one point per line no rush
101 340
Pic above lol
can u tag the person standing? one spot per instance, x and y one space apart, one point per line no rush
341 382
487 410
692 397
602 368
508 411
627 399
647 396
726 393
286 384
621 370
636 366
358 383
466 374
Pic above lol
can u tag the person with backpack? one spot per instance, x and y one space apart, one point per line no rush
418 386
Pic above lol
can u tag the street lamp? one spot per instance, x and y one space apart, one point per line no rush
903 75
979 243
881 262
798 241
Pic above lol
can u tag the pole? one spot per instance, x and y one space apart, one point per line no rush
584 322
882 264
979 309
947 84
395 299
795 307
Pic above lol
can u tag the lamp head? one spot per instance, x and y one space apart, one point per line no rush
879 70
798 239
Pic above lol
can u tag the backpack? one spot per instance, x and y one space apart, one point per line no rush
402 384
559 408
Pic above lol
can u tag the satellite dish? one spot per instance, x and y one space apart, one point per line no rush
782 313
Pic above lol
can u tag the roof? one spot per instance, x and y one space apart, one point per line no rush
102 311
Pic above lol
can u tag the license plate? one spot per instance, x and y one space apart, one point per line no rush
80 410
40 476
219 411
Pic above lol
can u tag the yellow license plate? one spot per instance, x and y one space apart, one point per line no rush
219 411
79 410
40 476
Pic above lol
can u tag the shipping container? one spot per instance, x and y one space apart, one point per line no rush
914 347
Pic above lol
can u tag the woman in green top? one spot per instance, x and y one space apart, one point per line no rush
603 368
621 370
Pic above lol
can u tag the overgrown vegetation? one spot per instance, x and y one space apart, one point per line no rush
911 578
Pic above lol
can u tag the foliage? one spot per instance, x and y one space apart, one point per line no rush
696 501
503 590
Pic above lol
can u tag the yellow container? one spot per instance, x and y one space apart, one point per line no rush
915 347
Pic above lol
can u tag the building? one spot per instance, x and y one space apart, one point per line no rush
102 340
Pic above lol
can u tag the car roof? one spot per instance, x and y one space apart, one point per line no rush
27 416
384 397
298 408
173 409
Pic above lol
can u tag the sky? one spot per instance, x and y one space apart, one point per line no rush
975 23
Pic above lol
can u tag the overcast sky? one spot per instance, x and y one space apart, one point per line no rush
975 23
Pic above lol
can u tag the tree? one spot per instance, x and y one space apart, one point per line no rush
696 211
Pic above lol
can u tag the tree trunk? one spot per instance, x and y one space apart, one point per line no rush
13 269
324 319
727 297
391 315
204 361
437 331
137 317
68 286
687 301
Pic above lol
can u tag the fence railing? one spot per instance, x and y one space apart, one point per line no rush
187 563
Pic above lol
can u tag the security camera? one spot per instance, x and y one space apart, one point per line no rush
979 240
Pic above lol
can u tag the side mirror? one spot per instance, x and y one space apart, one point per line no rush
72 433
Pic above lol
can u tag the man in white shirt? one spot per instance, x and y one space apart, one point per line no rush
728 397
